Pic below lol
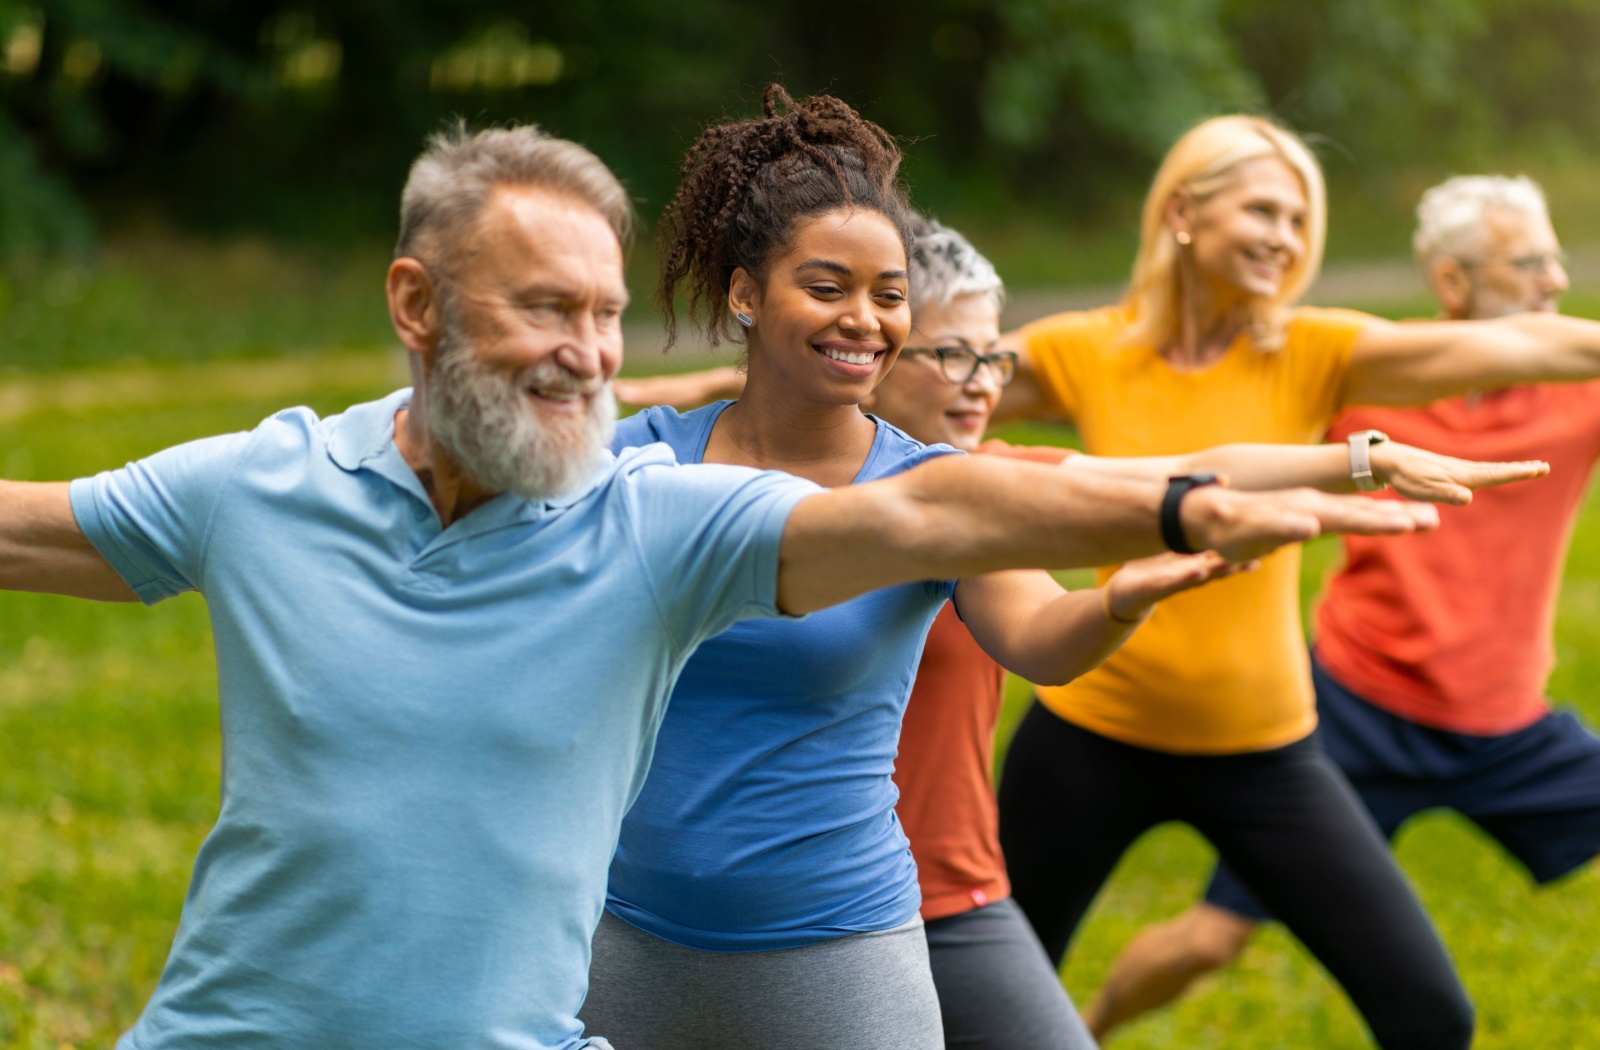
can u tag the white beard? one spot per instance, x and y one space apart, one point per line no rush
480 415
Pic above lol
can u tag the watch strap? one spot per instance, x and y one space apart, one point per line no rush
1178 487
1361 443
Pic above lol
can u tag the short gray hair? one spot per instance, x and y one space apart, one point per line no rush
1450 216
944 264
452 180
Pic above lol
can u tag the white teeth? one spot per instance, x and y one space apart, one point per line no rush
553 395
849 358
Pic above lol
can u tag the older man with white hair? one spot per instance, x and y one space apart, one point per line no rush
447 622
1432 652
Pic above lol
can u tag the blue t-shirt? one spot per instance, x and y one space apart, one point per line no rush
767 820
430 735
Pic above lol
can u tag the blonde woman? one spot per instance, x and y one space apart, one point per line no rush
1205 716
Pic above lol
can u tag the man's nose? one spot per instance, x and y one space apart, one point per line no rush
1553 278
585 351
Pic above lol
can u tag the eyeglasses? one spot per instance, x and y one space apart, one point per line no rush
960 363
1532 264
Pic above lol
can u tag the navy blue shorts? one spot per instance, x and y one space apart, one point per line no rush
1537 790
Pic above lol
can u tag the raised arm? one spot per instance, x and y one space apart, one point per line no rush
1414 362
958 516
42 549
683 391
1413 472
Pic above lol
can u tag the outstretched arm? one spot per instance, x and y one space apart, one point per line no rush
1413 472
42 549
1035 628
683 391
958 516
1414 362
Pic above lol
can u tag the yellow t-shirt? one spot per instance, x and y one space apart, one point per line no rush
1221 669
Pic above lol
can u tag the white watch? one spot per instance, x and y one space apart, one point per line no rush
1361 443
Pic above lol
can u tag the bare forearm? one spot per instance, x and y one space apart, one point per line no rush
1422 361
42 549
958 517
1066 638
684 391
1252 467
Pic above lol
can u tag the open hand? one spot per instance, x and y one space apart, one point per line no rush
1243 526
1133 590
1416 473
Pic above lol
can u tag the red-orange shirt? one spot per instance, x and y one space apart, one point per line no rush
947 805
1452 629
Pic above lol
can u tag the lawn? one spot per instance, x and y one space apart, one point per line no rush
109 748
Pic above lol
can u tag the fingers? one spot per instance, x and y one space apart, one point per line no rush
1370 517
1488 475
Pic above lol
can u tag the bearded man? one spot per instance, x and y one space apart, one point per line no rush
447 622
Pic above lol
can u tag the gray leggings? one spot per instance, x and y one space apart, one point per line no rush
867 990
997 989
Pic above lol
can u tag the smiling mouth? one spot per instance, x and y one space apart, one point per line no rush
1269 263
850 357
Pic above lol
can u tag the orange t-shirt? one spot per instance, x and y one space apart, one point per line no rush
1221 669
947 805
1451 629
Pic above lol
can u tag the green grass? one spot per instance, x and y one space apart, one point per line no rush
108 726
109 766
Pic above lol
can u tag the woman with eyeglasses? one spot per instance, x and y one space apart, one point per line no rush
995 984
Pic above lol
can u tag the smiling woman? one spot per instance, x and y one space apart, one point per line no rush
762 893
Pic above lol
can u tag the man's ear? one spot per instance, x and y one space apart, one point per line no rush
413 305
1451 285
744 294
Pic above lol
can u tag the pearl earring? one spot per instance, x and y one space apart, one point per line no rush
1183 238
745 319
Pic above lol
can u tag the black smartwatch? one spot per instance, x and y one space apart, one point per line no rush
1171 524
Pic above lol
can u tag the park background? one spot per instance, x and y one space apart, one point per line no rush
197 202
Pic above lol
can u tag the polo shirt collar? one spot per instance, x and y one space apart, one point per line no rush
363 438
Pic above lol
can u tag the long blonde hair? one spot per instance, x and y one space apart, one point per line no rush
1203 162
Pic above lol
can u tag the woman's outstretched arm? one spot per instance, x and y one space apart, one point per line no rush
1413 472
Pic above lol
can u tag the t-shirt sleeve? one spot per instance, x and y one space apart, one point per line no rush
1320 343
150 519
1056 347
709 537
635 431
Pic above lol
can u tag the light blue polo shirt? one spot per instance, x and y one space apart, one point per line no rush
768 818
430 735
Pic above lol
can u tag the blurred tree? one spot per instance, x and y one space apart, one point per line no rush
299 116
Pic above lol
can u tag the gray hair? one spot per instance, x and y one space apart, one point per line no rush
452 180
944 264
1450 216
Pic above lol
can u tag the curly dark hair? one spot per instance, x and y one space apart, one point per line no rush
747 183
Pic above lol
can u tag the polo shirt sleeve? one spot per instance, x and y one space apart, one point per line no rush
151 519
709 537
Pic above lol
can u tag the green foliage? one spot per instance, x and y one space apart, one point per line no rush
300 116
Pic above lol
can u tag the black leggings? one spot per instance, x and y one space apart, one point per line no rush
1072 802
